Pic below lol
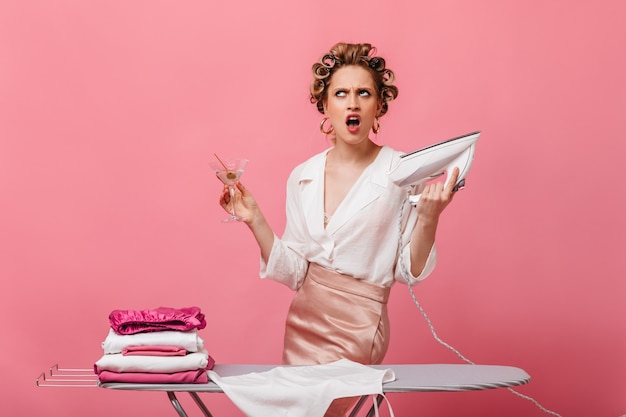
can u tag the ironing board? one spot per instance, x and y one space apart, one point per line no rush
409 378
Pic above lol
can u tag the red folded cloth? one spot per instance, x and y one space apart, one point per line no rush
162 318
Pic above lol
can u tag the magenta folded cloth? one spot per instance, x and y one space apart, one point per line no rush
155 350
154 320
198 376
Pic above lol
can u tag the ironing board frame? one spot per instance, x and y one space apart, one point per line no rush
409 378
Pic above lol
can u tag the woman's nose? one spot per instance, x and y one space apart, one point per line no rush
353 102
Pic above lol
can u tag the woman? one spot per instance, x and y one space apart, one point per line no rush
350 232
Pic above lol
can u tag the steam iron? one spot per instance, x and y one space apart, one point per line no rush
421 166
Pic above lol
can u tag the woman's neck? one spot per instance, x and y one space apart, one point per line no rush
362 153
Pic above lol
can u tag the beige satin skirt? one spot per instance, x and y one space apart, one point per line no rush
335 316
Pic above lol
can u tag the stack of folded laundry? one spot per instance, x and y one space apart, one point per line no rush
160 346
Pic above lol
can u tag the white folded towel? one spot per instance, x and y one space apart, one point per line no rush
301 391
116 362
115 343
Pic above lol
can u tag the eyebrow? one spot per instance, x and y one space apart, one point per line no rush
350 88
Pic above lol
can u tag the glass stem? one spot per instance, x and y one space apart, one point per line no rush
232 199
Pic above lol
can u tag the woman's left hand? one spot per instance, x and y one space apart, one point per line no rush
435 198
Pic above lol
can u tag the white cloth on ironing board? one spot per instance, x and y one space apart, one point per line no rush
301 391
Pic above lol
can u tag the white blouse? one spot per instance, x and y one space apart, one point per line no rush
367 237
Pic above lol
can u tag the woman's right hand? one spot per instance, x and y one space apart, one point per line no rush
245 204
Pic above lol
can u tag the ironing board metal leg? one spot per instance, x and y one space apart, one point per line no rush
372 412
179 408
200 404
358 406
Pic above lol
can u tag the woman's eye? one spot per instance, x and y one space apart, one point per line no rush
340 93
364 93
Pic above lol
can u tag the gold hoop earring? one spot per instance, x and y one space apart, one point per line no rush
376 127
326 132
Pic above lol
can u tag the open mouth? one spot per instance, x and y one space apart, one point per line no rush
353 122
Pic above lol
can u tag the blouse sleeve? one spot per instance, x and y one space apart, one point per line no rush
287 263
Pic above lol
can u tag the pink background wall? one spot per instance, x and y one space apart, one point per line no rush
111 110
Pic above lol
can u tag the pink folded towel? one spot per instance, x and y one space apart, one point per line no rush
154 351
198 376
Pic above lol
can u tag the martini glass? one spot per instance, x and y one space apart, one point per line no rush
229 171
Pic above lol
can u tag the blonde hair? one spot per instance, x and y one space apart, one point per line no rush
360 54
